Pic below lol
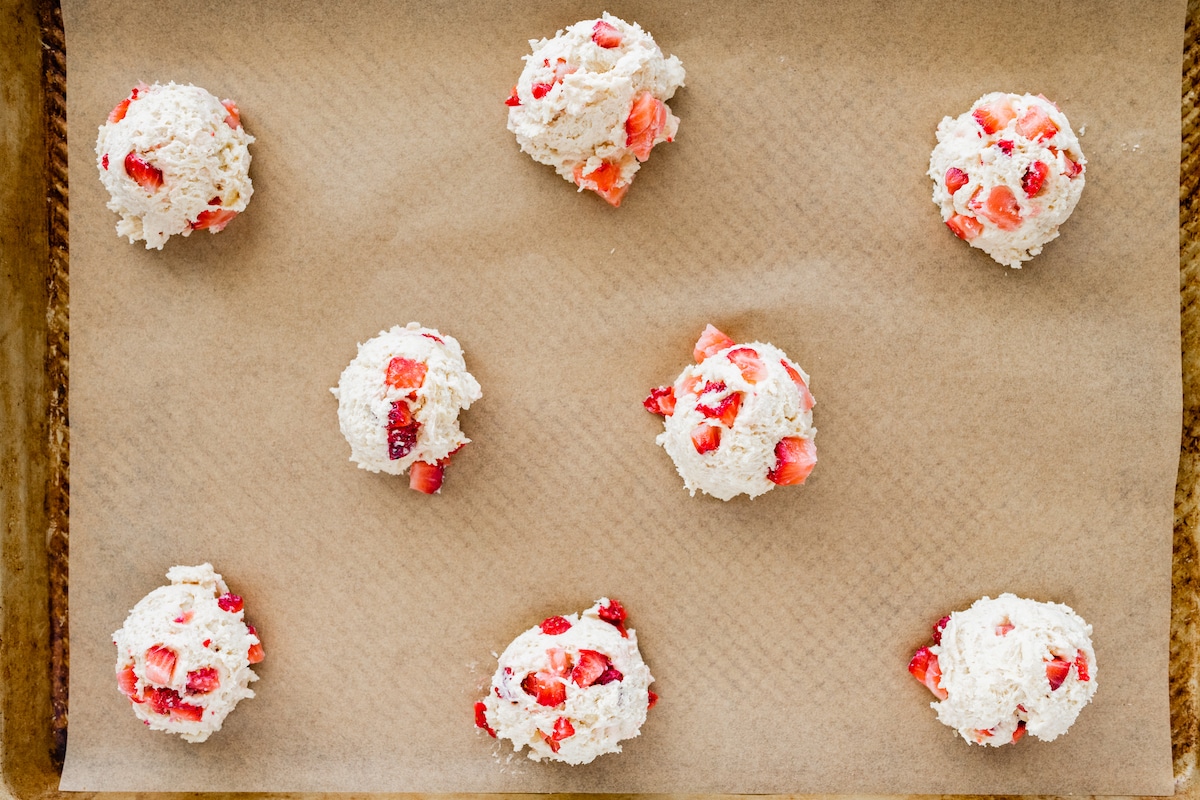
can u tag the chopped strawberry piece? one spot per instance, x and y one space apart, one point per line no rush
162 700
206 642
1019 732
645 124
184 712
1034 177
425 477
661 401
1081 666
1073 168
214 220
1004 627
653 699
713 386
1005 146
203 680
234 119
1002 209
964 227
614 614
606 35
104 161
747 360
563 729
711 342
400 416
118 113
160 664
807 401
401 440
255 654
546 688
127 682
481 718
552 626
726 410
938 627
559 661
512 101
956 179
1056 671
925 668
554 745
404 373
794 461
437 339
144 174
706 438
1036 124
603 181
589 669
994 116
184 618
216 201
608 676
540 90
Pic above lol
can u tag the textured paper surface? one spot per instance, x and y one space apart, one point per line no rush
980 430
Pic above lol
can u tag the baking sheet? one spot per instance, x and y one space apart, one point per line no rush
981 430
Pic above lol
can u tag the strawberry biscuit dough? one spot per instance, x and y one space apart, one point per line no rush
398 403
1007 174
1007 667
174 160
184 654
570 688
739 421
591 102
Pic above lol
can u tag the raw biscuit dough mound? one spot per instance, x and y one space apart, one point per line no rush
570 688
175 160
591 102
739 421
398 403
1007 667
1007 174
184 654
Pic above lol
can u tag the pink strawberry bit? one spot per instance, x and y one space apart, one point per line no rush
608 676
807 401
404 373
1005 146
127 683
1004 627
661 401
481 720
1073 169
214 220
184 618
592 665
104 161
956 179
162 700
230 602
160 664
994 116
614 614
563 729
512 101
925 668
606 35
726 411
234 118
143 173
603 181
711 342
118 113
964 227
1034 177
706 438
794 461
437 339
646 122
545 688
1002 209
1019 732
1081 666
203 681
426 478
1056 671
752 367
186 713
255 654
552 626
1035 124
938 627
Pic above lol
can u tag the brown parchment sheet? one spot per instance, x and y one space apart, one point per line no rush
981 429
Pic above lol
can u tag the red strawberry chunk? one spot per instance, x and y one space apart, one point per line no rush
747 360
1002 209
255 654
234 119
1081 666
1019 732
104 161
726 411
706 438
1073 169
127 683
214 220
608 676
160 664
711 342
661 401
400 415
1056 671
540 90
589 669
512 101
230 602
481 720
938 627
404 373
553 744
552 626
1005 146
606 35
203 680
603 181
964 227
563 729
807 401
162 700
794 461
1036 124
559 661
614 614
437 339
653 700
145 174
925 668
186 713
956 179
545 688
118 113
1034 177
426 478
645 124
994 116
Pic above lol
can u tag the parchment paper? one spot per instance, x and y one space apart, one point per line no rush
981 429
